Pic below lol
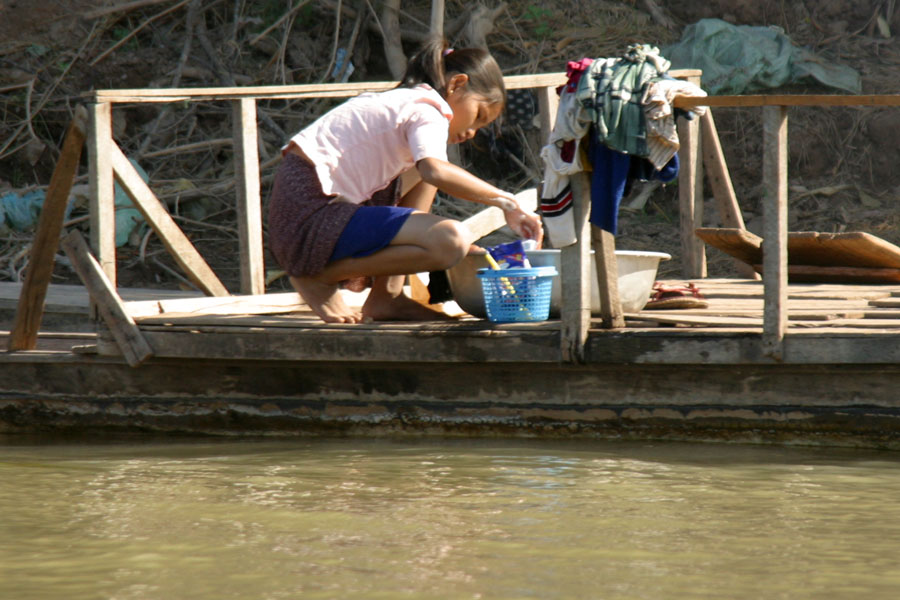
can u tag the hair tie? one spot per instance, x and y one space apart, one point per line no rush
447 51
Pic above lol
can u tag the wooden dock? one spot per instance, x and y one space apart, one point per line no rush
766 361
818 314
697 374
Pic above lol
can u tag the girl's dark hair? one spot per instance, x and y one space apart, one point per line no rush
435 64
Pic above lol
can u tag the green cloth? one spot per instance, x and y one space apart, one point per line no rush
741 58
611 92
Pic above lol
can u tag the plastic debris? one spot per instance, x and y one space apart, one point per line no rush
128 218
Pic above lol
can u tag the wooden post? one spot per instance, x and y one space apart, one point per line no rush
775 259
102 190
437 17
46 239
123 328
690 199
720 181
178 245
548 104
249 205
604 244
575 276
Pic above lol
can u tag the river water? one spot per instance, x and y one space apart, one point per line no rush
401 519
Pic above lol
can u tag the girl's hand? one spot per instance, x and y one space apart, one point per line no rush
523 224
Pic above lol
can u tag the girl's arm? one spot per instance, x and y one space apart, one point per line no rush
458 182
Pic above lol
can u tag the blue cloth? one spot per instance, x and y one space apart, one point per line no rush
370 229
608 179
611 179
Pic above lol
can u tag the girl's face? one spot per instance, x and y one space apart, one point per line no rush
471 111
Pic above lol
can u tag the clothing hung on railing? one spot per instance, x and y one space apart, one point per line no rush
625 104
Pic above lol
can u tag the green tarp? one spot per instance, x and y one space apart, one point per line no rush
741 58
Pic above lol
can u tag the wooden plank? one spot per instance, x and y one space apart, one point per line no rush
790 100
842 274
102 190
491 219
743 245
156 215
249 204
850 257
775 254
314 90
717 174
30 309
719 178
690 198
848 249
548 103
696 320
352 344
123 328
722 288
575 276
885 302
242 305
604 245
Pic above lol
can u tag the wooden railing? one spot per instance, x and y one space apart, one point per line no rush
107 162
775 173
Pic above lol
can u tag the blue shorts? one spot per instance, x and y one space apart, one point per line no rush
370 229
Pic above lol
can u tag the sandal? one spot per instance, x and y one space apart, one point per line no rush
686 296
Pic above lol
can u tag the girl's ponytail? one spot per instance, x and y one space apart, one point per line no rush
435 63
427 66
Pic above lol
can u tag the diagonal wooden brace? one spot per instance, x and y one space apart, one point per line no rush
178 244
125 331
30 309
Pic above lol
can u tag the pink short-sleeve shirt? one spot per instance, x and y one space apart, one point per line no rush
365 143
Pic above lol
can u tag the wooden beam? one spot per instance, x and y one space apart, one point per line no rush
156 215
278 303
720 181
775 256
249 204
690 199
575 276
604 245
491 219
102 189
437 17
30 309
548 103
123 328
790 100
313 90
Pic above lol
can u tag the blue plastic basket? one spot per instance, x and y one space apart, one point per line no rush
514 295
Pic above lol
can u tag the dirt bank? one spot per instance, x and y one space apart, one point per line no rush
841 160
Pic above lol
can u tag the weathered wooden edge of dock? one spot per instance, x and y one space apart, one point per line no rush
832 405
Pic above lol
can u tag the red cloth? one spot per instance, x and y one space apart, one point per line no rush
574 70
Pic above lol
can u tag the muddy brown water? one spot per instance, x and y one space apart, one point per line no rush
324 518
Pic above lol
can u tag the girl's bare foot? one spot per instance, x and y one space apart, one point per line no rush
385 307
325 300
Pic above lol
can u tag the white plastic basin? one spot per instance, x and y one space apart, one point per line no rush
637 272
